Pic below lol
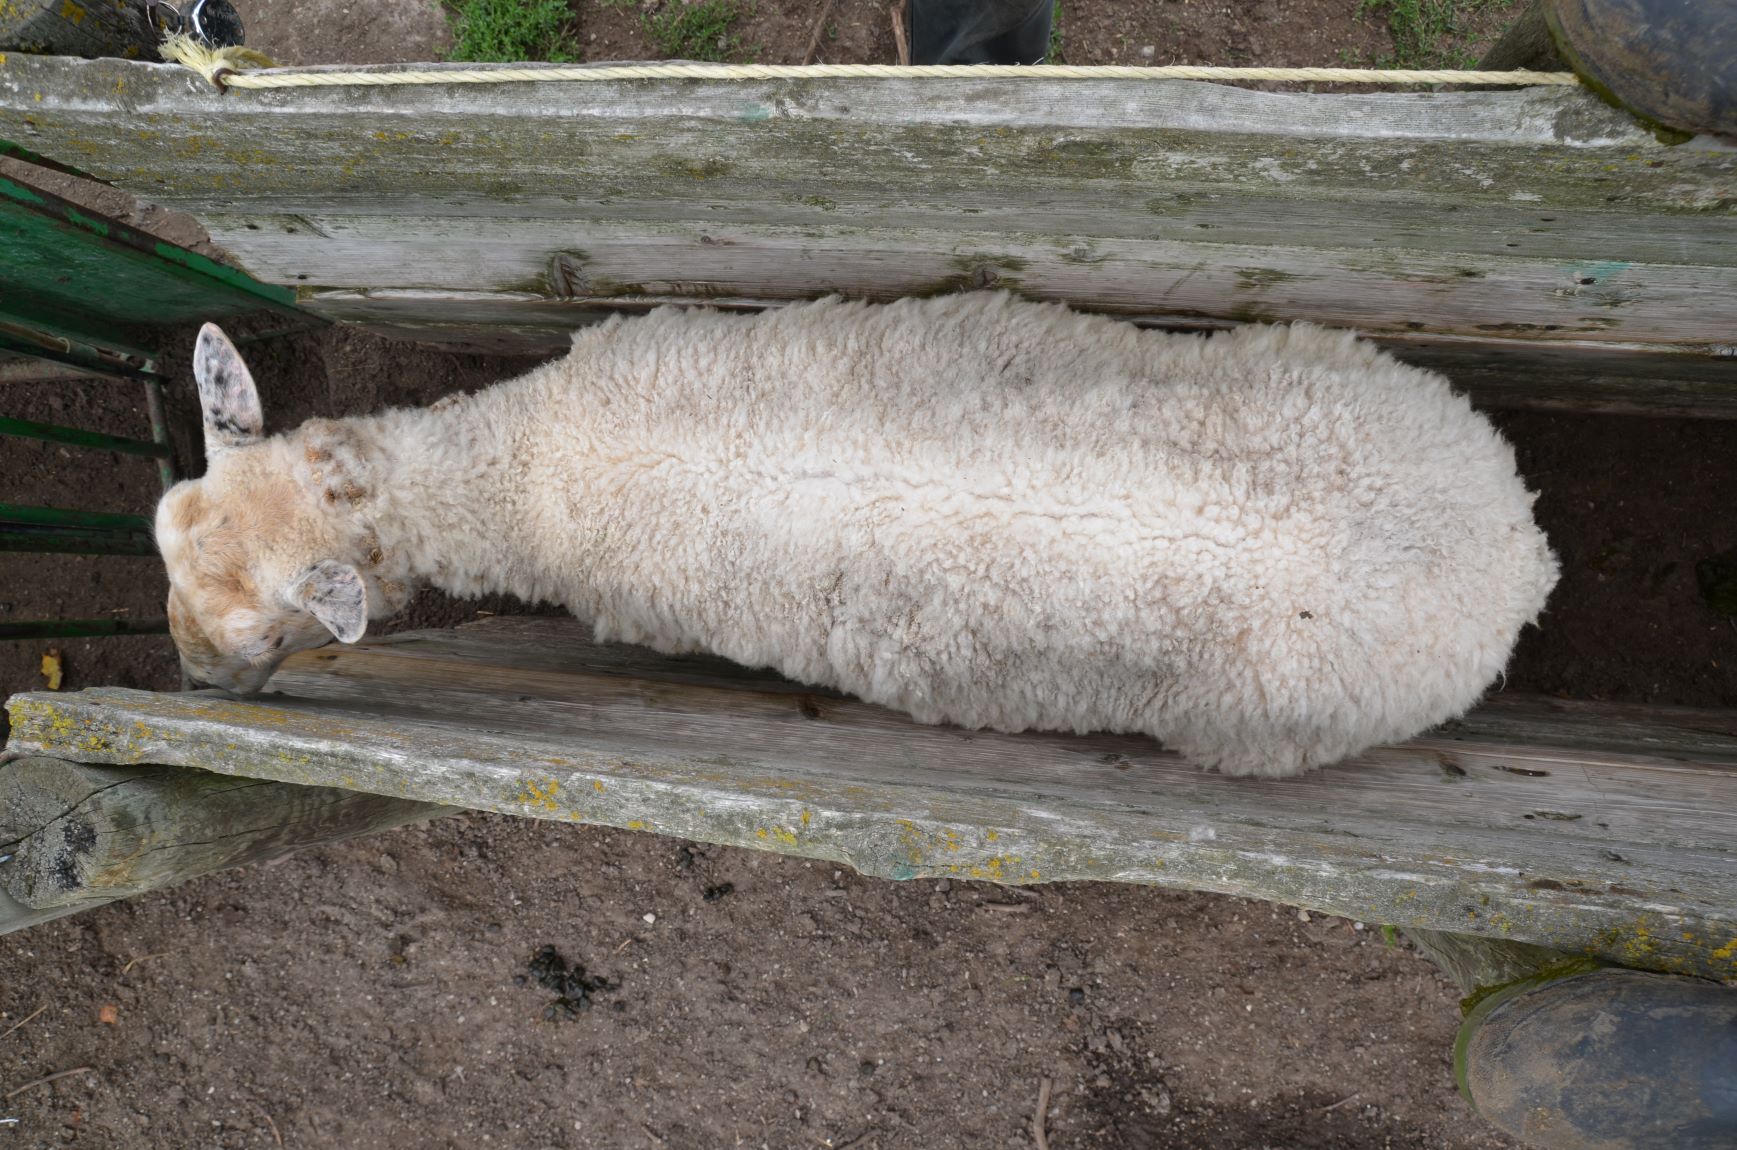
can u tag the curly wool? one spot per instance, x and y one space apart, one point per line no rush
1269 549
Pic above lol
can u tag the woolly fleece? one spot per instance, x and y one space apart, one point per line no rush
1269 549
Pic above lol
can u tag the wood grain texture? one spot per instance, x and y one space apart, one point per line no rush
1476 962
81 835
1599 831
1517 217
1564 375
1546 297
74 27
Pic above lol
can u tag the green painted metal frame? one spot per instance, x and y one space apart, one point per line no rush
135 260
54 530
72 436
80 289
82 629
17 152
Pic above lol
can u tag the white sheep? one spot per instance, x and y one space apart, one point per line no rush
1269 549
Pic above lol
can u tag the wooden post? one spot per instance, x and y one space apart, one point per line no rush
1478 963
1526 44
83 835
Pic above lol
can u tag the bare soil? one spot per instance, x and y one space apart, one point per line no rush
367 995
1337 33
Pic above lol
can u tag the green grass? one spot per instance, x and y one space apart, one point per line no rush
513 30
1430 33
1054 55
698 31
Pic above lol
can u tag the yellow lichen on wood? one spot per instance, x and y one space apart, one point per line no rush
539 794
995 869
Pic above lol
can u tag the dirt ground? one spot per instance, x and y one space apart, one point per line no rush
368 995
1340 33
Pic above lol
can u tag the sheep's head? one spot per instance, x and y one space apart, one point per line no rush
256 554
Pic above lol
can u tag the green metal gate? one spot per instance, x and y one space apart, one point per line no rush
82 290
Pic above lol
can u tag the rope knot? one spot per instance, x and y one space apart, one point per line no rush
215 64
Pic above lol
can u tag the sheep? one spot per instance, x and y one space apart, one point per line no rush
1268 549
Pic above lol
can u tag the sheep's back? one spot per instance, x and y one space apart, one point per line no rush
1008 514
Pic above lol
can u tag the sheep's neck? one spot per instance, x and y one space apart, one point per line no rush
444 510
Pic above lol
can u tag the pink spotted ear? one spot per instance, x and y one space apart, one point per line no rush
227 396
333 593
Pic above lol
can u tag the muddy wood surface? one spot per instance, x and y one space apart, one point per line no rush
346 996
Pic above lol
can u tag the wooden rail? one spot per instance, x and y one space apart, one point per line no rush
1604 831
1481 229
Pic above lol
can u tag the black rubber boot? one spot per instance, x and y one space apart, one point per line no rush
980 31
1614 1060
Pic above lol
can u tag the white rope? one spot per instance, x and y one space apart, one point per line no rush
220 68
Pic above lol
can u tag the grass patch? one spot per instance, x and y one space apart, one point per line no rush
506 31
1432 33
698 31
1054 54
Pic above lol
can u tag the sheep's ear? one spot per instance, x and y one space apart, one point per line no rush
227 397
334 594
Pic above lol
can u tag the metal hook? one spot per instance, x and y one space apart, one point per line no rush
215 22
153 11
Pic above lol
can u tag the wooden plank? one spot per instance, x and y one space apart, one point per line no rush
25 369
1532 820
1565 375
1175 211
82 835
1547 297
1572 375
1520 216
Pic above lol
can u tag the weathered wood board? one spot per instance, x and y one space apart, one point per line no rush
76 835
1606 831
1503 220
1559 375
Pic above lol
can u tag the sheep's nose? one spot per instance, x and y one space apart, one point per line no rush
192 680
